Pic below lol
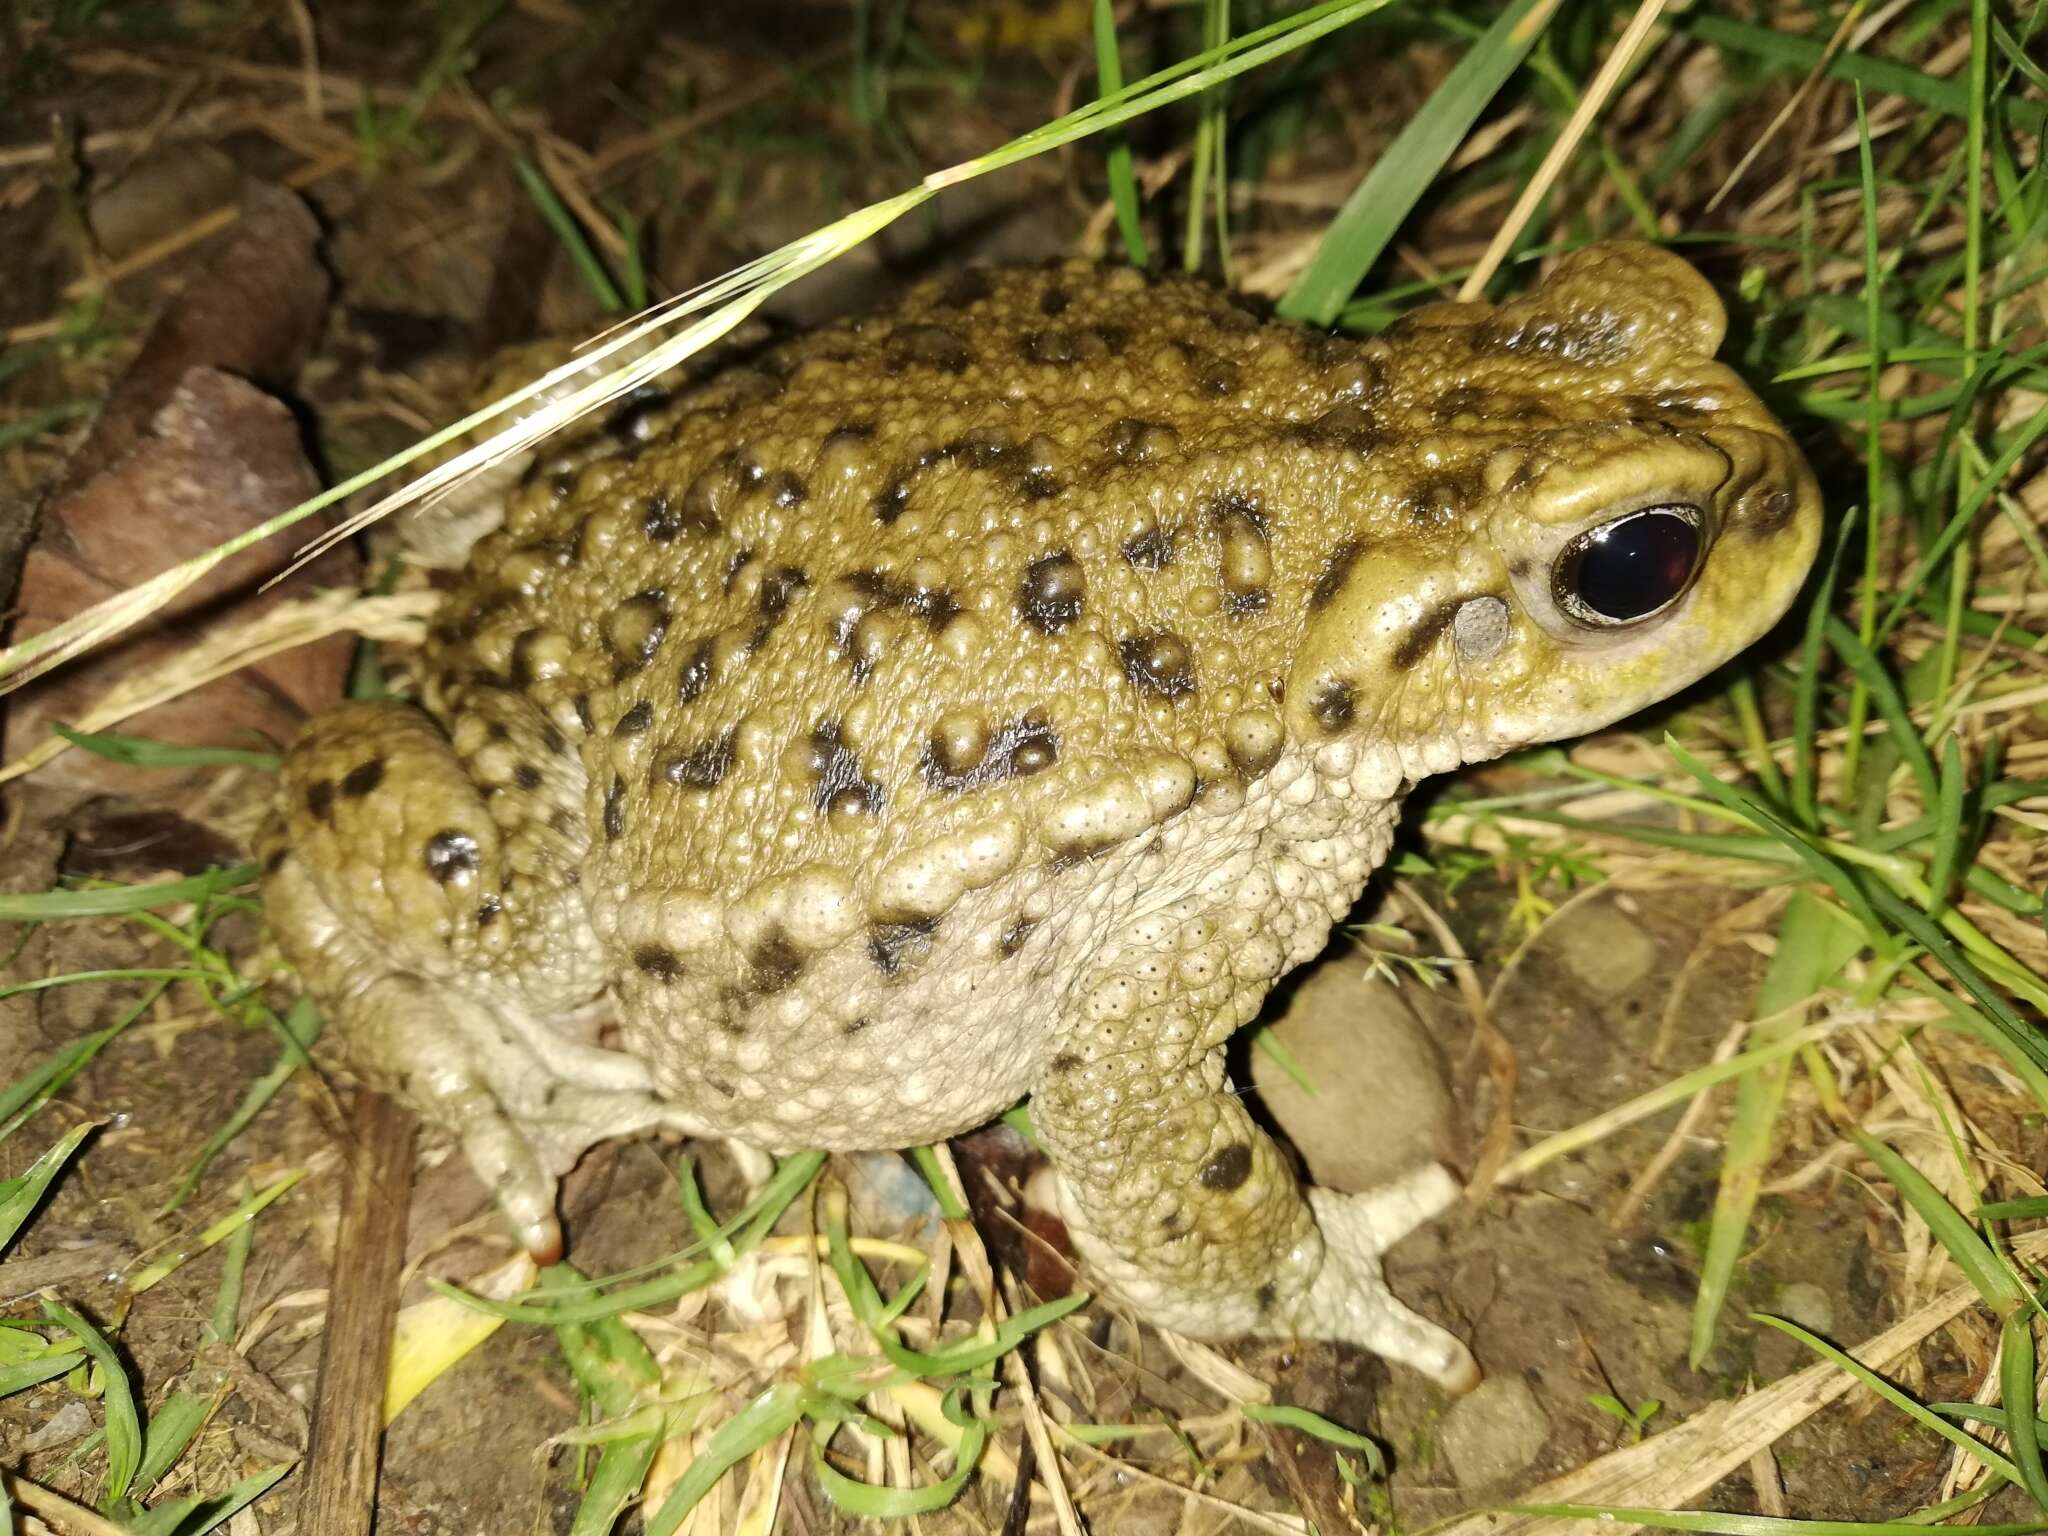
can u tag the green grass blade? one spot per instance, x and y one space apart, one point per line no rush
773 1413
1948 825
198 1515
1813 946
562 223
2017 1389
1373 214
1913 1408
1884 693
20 1196
147 752
1796 54
1123 180
872 1503
123 1423
178 1418
1972 1255
118 900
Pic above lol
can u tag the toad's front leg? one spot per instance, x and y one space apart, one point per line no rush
1190 1213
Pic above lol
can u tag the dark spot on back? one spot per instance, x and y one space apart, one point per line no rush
1020 749
787 490
1336 571
1335 705
633 419
527 777
966 288
634 630
1053 301
635 720
1268 1296
663 518
890 944
696 674
275 860
1160 663
487 911
615 809
1349 427
1066 1061
837 782
320 799
662 964
1013 940
702 767
1151 548
363 778
1228 1169
893 497
1050 596
856 1026
775 962
1462 400
1427 631
778 587
928 346
451 854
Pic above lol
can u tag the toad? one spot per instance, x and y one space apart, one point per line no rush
993 697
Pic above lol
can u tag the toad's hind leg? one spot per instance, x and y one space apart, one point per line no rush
446 943
1185 1207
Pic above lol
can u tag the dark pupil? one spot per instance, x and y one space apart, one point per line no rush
1633 566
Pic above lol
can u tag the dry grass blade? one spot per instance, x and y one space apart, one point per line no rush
228 650
1566 145
1679 1465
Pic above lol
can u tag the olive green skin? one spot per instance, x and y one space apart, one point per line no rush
995 696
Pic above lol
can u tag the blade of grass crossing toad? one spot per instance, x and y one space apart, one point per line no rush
1912 1407
1123 180
1813 946
1370 218
2020 1390
20 1196
147 752
123 1425
740 294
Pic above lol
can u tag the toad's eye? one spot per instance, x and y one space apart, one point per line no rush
1628 569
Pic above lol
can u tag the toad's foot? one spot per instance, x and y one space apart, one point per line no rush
1349 1299
525 1101
1185 1208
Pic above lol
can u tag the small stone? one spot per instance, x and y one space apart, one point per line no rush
1604 950
1808 1305
1373 1063
1494 1431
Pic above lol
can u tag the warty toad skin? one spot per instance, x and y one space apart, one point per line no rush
994 696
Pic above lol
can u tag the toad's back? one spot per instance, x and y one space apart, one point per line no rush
999 694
